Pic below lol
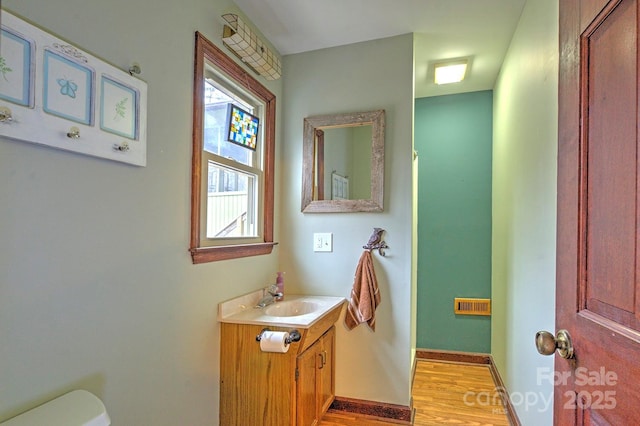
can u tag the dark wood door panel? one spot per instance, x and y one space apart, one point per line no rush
609 171
597 294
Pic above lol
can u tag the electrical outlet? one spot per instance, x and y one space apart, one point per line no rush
323 241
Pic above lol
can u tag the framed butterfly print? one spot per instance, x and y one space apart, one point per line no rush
55 94
67 88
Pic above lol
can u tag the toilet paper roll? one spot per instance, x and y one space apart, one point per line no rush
274 341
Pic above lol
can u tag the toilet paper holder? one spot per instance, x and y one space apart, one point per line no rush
294 336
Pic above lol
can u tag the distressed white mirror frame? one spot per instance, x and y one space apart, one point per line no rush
375 204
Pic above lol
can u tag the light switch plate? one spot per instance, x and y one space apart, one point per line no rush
323 241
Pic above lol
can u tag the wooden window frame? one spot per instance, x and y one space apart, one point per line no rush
207 51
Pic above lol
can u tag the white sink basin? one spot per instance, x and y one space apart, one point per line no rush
292 308
295 311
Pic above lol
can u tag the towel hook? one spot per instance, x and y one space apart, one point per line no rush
375 242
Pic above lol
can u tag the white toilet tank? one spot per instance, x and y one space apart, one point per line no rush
76 408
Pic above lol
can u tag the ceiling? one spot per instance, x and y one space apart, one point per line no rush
478 29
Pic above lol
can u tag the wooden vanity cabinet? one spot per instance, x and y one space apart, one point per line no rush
277 389
315 374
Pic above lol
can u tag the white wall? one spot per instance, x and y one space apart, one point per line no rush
97 289
359 77
524 209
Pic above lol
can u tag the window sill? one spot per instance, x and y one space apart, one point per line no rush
213 254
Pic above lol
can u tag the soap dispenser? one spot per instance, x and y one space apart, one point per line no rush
280 285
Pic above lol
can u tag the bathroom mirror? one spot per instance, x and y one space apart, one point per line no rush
343 163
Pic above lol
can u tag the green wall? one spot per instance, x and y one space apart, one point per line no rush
453 137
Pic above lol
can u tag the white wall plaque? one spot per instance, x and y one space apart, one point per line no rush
54 94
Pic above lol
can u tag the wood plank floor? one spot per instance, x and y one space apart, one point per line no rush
444 393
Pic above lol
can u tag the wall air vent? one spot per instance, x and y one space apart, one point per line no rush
467 306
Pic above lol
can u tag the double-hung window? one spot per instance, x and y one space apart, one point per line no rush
233 160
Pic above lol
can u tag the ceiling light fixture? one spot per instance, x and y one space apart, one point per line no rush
450 72
251 50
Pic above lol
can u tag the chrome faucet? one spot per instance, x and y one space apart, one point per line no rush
269 296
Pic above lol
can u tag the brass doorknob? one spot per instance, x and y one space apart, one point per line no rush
547 343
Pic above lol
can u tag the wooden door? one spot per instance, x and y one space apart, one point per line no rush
598 301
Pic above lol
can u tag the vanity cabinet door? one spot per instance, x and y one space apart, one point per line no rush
307 367
315 380
327 370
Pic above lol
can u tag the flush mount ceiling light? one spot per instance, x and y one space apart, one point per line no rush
238 37
450 72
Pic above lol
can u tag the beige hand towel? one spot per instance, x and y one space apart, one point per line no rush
365 295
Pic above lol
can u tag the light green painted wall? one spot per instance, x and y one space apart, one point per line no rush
524 209
97 288
453 139
370 366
